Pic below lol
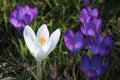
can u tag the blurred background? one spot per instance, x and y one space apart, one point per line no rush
17 63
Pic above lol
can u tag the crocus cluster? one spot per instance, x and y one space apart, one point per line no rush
99 46
91 28
22 16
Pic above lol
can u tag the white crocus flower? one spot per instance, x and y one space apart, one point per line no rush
40 45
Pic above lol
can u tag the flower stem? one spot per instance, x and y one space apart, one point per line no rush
73 70
74 76
39 71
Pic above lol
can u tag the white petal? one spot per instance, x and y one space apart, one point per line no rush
29 32
47 48
31 41
43 32
39 53
55 37
29 37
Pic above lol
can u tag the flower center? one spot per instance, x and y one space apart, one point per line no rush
42 40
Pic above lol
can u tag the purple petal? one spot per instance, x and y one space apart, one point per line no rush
107 45
103 69
96 62
88 19
13 14
99 39
83 29
95 12
21 12
21 23
26 8
78 36
104 51
85 63
91 74
84 13
33 13
98 24
99 71
89 10
91 32
108 41
27 19
94 48
69 45
82 18
13 21
79 45
68 35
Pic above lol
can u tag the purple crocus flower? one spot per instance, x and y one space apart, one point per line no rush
22 16
86 13
93 68
91 25
102 45
74 42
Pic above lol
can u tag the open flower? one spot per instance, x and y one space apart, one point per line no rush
93 68
40 45
74 42
22 16
102 45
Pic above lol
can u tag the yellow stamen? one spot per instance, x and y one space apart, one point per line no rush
42 40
